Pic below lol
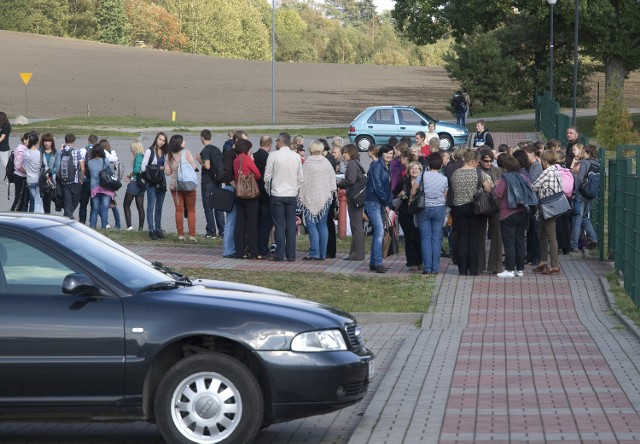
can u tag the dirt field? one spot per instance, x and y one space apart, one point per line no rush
71 76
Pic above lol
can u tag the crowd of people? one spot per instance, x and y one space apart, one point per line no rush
429 192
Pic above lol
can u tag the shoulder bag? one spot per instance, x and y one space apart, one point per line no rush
417 203
187 179
246 186
106 179
554 205
484 203
46 184
356 193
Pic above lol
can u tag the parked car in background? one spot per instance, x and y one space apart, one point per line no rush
91 331
376 124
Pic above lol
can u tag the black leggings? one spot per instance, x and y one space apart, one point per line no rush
139 205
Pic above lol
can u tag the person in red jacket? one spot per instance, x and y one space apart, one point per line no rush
246 232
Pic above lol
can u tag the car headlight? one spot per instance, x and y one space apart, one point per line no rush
318 341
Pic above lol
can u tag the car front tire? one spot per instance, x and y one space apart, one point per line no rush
209 398
364 142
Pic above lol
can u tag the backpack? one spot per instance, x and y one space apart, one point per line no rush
68 169
567 180
118 170
216 164
459 103
187 179
590 186
10 168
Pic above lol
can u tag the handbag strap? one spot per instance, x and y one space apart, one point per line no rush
480 187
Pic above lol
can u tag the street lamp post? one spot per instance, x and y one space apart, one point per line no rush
273 61
575 61
551 4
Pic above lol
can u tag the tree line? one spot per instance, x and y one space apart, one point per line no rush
336 31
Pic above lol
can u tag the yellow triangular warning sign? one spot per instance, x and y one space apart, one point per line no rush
26 76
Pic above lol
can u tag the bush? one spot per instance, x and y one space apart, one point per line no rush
613 123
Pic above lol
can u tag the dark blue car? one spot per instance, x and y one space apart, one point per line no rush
90 331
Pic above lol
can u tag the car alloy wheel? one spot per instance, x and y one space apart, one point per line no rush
209 398
446 142
364 142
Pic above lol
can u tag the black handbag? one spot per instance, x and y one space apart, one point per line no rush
356 193
484 203
107 181
221 199
417 203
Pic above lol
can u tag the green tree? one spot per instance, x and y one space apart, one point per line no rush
223 28
339 48
613 123
113 26
82 22
609 30
476 61
48 17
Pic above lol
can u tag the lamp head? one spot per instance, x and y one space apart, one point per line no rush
552 2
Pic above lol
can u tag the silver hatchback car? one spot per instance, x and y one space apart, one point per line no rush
376 124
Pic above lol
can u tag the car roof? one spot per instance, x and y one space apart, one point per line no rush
390 106
33 220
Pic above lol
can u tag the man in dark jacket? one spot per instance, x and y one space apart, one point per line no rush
265 221
483 136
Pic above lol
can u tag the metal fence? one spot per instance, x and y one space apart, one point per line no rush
550 121
623 192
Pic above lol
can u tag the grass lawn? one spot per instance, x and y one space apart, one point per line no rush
409 293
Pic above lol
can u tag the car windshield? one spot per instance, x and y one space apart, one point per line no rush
426 116
130 270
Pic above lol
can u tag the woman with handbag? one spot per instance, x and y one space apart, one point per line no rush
493 263
431 217
152 170
378 202
48 148
465 181
135 188
100 197
182 199
355 175
405 217
315 198
246 174
548 184
33 167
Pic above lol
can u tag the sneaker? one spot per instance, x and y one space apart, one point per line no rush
519 273
273 248
108 227
506 274
159 234
152 235
129 228
208 236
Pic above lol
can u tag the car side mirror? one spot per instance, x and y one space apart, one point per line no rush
79 284
423 123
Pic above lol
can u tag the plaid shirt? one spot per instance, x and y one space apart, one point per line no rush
548 182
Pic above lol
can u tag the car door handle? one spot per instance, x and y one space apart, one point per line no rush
370 126
403 127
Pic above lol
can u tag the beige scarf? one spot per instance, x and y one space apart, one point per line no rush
318 188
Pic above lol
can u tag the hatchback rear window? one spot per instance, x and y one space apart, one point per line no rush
382 116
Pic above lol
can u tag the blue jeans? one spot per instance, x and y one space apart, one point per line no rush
430 222
215 218
318 235
34 190
100 204
283 211
116 217
375 212
155 200
230 229
582 221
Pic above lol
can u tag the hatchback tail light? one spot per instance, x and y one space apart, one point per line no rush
352 129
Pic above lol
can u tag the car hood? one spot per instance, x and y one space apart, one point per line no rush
236 286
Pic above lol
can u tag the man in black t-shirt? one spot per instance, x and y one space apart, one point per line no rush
211 160
482 137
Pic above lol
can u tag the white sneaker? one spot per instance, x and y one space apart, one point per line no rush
506 274
519 273
108 227
129 228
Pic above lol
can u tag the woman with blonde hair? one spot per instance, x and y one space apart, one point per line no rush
548 183
135 188
402 190
315 197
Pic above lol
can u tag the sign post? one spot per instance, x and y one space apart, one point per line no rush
26 76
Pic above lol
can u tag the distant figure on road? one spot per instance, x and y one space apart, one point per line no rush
460 107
